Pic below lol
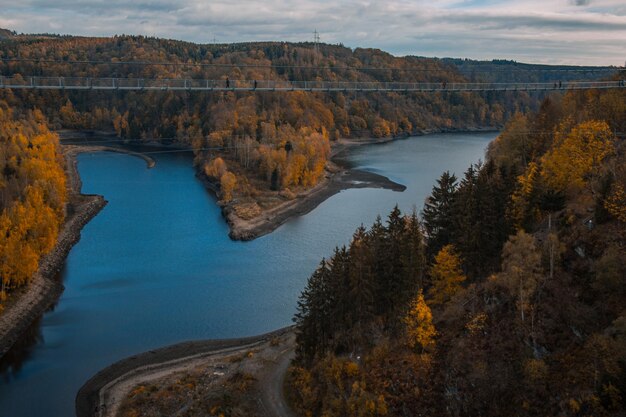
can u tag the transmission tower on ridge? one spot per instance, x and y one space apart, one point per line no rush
316 40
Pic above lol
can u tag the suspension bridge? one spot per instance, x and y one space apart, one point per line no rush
223 85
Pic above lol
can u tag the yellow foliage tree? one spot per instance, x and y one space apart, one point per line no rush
32 203
420 330
571 163
228 181
521 209
615 203
446 276
215 168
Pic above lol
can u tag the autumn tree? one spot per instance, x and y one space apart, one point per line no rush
521 270
577 155
33 190
420 330
228 182
446 276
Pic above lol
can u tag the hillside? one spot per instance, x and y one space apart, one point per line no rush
505 71
508 298
259 150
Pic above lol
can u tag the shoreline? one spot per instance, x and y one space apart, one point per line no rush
74 150
100 395
338 176
44 289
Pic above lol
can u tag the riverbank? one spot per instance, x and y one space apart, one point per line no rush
212 364
338 176
76 149
44 289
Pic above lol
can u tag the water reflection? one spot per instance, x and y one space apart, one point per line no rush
11 363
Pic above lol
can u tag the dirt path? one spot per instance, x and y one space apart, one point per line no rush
272 386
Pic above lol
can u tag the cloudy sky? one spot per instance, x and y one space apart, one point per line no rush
590 32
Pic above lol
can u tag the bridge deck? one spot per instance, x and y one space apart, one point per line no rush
85 83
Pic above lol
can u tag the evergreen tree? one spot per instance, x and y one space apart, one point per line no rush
361 285
314 314
437 214
413 257
466 221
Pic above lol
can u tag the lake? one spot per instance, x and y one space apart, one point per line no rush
156 266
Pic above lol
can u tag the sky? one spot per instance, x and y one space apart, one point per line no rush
579 32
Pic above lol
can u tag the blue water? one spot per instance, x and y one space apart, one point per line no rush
156 266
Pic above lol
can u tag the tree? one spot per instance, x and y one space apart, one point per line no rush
361 283
420 330
446 276
413 257
438 213
521 269
577 157
228 181
313 327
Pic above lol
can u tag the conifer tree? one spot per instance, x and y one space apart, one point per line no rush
413 257
313 317
438 213
361 283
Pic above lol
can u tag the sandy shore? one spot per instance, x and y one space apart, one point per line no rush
338 176
103 394
44 289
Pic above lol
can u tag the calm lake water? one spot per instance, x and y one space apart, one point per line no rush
156 266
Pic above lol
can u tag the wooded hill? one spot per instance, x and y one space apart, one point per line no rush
32 195
506 298
276 141
507 71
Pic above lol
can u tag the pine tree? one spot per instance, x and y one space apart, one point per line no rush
467 221
412 257
314 314
438 213
361 283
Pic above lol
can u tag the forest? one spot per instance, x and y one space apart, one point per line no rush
32 195
504 297
246 143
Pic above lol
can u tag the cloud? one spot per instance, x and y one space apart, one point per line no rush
549 31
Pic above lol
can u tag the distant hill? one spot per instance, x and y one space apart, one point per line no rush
501 71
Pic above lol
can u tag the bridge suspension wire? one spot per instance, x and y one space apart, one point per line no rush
476 69
178 84
151 141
